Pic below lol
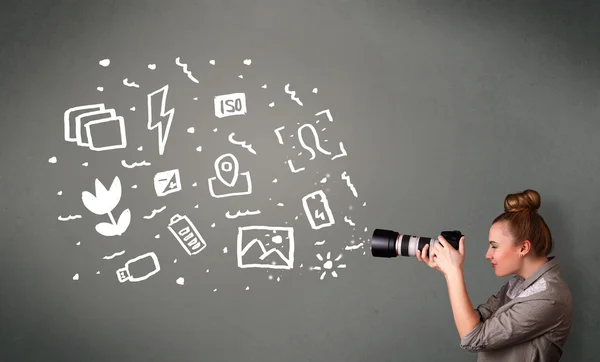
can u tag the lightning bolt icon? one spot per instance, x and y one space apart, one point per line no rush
159 117
319 215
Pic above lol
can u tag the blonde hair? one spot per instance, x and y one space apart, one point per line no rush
524 222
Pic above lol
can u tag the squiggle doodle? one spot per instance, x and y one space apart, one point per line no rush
327 113
135 164
347 219
350 185
114 255
130 84
154 212
289 162
353 247
320 242
341 154
70 217
317 143
239 213
186 71
279 134
243 144
292 94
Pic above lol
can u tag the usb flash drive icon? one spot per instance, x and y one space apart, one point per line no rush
139 268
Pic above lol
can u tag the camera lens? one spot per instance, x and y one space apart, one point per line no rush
383 243
390 244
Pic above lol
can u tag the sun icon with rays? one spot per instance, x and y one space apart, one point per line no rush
328 265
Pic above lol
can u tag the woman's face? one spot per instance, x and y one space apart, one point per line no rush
502 252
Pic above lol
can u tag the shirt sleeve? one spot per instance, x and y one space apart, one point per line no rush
521 322
488 308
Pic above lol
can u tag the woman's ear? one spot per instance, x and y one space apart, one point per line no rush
525 247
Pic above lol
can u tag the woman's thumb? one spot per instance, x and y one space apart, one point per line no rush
461 245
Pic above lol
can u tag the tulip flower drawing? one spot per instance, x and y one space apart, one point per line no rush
103 203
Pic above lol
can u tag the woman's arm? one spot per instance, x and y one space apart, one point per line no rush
465 316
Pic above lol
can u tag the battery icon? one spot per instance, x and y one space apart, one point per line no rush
186 233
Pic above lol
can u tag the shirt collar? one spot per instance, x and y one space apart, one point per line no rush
549 265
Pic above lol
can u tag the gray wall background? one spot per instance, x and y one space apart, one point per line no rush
443 108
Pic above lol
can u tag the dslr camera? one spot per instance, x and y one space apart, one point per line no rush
390 244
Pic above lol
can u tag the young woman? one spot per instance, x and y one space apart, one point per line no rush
529 319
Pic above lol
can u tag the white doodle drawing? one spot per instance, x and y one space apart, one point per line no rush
316 137
254 251
240 213
186 233
103 202
135 164
278 134
243 143
152 66
342 152
227 172
127 83
100 89
180 281
68 218
327 113
82 122
292 168
159 117
322 242
104 62
328 265
315 90
320 211
52 159
349 221
154 212
167 182
227 105
353 247
139 274
186 71
292 94
346 178
247 61
110 257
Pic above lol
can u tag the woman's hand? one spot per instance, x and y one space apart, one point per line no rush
443 257
448 259
425 258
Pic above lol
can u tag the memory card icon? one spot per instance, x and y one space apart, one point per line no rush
186 233
317 210
167 182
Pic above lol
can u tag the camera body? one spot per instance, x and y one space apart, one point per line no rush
390 244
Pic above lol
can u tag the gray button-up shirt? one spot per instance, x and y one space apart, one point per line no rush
527 320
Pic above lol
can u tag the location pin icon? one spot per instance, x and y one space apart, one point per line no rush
227 171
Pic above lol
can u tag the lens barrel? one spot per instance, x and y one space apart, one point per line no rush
383 243
390 244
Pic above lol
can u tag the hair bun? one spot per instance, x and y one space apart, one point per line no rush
528 200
